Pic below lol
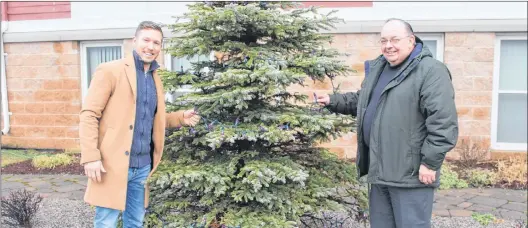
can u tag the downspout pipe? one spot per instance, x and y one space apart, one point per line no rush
5 106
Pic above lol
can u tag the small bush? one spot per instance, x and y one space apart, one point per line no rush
483 219
47 161
480 177
449 179
512 170
21 207
471 153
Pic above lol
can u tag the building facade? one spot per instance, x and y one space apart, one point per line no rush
51 49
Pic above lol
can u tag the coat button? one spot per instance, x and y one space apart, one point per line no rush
126 153
131 127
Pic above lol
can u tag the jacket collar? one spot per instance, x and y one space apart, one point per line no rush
139 63
131 74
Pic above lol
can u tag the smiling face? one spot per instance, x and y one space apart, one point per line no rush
396 42
147 44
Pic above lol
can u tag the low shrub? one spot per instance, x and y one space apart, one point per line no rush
484 219
20 207
480 177
513 171
471 153
450 179
51 161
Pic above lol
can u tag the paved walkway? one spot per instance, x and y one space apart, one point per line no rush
502 203
59 186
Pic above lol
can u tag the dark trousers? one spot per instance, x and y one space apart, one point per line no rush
394 207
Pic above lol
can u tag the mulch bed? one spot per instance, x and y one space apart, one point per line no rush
460 166
26 167
491 166
517 185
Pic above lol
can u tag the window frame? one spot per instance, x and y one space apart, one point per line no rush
168 66
439 38
495 145
84 64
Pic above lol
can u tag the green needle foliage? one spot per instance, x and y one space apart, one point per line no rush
253 160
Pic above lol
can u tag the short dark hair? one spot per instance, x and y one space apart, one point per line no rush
149 25
408 26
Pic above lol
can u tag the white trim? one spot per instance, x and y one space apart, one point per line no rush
495 96
439 38
513 91
66 30
511 36
168 62
422 26
166 56
86 44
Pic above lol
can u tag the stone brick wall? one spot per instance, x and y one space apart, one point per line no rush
469 57
44 94
44 88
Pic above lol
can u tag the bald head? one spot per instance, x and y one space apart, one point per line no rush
397 41
405 24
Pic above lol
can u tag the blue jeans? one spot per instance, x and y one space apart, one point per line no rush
135 203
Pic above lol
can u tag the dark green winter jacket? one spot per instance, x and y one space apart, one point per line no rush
415 121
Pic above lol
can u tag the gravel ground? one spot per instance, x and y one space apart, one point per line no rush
459 222
437 222
60 213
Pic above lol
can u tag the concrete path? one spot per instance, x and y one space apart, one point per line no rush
502 203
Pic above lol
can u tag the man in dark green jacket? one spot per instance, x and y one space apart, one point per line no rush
407 122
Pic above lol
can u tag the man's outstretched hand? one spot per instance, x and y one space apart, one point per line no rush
190 117
323 99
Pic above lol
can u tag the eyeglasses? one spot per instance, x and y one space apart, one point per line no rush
393 40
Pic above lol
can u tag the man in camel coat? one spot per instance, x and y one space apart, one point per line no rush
122 131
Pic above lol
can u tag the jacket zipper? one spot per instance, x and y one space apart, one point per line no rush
370 87
378 111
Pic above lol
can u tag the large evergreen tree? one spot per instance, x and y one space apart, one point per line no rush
253 161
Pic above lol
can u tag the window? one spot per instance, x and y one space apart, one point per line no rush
509 94
435 43
94 53
182 64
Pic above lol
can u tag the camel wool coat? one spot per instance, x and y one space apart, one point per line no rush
106 129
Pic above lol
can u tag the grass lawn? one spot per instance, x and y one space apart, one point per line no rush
15 156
